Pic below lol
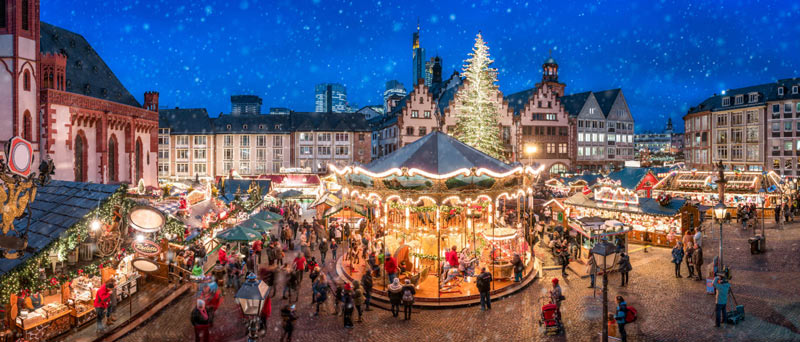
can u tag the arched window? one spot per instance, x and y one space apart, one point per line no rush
26 80
558 169
112 159
27 126
138 159
80 165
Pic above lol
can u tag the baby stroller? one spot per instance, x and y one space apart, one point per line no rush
550 318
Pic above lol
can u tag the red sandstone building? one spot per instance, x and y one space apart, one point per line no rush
58 93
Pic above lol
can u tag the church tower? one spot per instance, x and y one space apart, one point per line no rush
19 80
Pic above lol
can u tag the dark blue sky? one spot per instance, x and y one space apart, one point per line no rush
665 55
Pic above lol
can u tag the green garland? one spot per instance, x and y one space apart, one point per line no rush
429 257
26 275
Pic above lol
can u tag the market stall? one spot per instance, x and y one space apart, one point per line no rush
589 230
651 221
421 208
760 188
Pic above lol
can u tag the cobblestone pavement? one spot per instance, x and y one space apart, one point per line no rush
669 309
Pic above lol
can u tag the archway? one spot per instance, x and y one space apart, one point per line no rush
558 168
80 165
113 162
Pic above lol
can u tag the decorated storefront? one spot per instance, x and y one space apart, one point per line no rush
760 188
434 197
651 221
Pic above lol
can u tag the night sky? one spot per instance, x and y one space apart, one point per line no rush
665 55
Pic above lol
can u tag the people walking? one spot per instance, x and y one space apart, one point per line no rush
395 296
591 268
556 295
323 251
622 312
366 283
321 289
688 255
101 302
484 284
564 261
334 247
516 262
347 306
677 258
200 320
408 299
288 316
358 299
624 268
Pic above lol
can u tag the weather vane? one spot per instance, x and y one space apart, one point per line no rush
17 191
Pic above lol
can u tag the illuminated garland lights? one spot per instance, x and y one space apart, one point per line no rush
27 276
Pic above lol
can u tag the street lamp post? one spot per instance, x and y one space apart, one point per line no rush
606 252
251 298
720 210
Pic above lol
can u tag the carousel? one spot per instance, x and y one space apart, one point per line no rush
442 210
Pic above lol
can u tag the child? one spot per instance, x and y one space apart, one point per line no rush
612 326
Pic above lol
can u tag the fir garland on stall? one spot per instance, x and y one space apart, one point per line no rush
27 276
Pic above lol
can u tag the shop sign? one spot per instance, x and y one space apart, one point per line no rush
146 247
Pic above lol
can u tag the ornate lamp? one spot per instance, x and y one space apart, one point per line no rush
604 255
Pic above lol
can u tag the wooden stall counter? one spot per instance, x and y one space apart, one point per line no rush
45 329
653 239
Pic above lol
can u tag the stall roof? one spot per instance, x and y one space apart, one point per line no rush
232 186
630 177
646 205
58 206
438 153
589 178
292 179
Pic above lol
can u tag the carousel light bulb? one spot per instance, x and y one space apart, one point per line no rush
95 225
139 238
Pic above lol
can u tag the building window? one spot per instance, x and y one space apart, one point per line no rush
227 154
277 141
306 137
580 151
752 134
776 108
163 155
776 163
787 164
227 167
277 154
227 141
261 154
342 137
342 151
361 136
200 154
323 150
787 107
27 126
739 99
787 146
551 148
722 137
182 140
244 141
244 168
305 150
551 117
736 136
794 90
200 169
276 167
163 169
753 98
409 131
580 137
752 117
26 80
722 120
182 168
199 140
787 126
722 152
323 137
423 131
780 91
261 141
414 113
182 154
736 118
26 25
562 148
736 152
261 168
244 154
426 114
726 101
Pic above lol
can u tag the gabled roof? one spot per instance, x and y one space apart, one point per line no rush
518 100
87 73
574 103
185 121
58 206
252 124
605 99
234 186
336 122
630 177
437 153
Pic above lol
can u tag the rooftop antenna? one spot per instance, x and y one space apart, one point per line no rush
417 24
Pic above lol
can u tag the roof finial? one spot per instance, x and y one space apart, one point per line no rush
417 24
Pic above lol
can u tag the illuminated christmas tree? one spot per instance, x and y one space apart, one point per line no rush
477 109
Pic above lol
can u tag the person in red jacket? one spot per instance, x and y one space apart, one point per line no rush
101 301
391 268
257 246
452 257
266 311
223 256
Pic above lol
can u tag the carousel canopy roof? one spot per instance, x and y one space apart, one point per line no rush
58 206
438 153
